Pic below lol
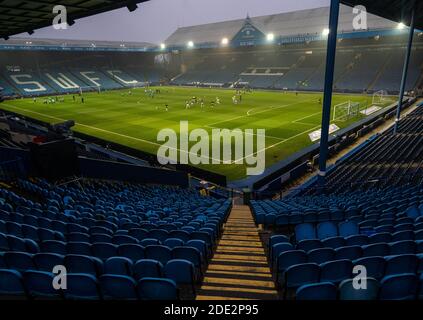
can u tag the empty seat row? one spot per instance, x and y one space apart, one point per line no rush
406 286
38 285
297 267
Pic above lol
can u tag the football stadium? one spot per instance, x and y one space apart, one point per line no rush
268 157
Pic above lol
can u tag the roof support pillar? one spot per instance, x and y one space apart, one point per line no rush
327 98
405 68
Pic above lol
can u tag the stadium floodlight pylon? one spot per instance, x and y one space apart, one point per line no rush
89 89
345 110
380 97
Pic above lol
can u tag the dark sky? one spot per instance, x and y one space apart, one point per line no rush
155 20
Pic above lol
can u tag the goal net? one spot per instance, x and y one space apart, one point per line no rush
89 89
345 110
381 97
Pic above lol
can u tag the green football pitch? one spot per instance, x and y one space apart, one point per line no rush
135 118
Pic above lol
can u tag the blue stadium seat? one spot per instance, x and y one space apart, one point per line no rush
299 275
11 285
173 242
47 261
20 261
305 231
347 291
403 263
145 268
118 265
336 271
76 263
349 253
104 250
134 252
182 272
317 291
82 286
327 230
189 253
157 289
375 266
40 285
81 248
321 255
399 287
117 287
309 244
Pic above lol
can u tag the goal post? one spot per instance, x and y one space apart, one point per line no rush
345 110
89 89
380 97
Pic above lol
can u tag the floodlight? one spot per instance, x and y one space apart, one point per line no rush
400 26
270 37
190 44
325 32
225 41
162 46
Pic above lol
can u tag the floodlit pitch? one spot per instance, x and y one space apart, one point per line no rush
133 117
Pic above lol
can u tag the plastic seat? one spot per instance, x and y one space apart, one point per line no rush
309 244
124 239
182 272
334 242
191 254
76 263
11 285
277 249
288 259
100 237
326 230
117 287
82 286
317 291
149 241
375 266
54 246
348 228
404 263
347 291
402 247
349 253
357 240
305 231
321 255
103 250
376 250
173 242
299 275
336 271
82 248
39 285
47 261
158 252
145 268
118 265
20 261
134 252
399 287
157 289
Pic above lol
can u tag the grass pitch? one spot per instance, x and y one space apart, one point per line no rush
135 119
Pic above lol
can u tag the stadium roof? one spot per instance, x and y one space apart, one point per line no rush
18 16
395 10
310 21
